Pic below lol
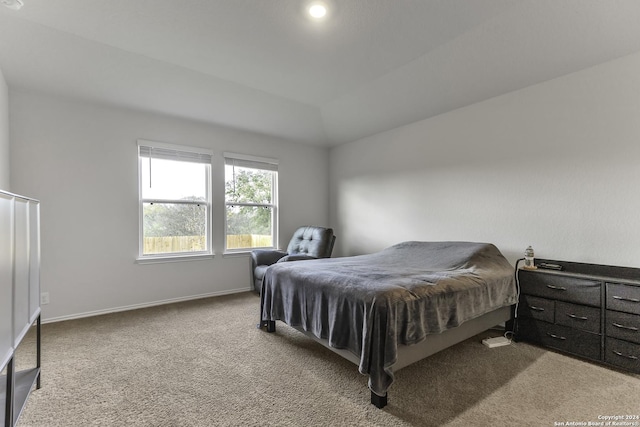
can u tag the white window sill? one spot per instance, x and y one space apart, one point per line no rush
172 258
237 253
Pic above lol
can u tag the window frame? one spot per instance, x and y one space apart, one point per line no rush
208 253
270 164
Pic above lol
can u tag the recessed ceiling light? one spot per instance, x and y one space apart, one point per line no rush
317 10
12 4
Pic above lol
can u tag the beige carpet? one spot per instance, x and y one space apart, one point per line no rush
203 363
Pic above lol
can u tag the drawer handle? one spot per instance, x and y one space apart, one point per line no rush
626 299
624 355
556 336
573 316
533 307
631 328
557 288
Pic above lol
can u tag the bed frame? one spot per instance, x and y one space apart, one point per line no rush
408 354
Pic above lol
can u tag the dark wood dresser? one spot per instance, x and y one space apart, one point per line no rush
587 310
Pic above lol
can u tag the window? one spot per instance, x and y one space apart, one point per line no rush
175 201
251 202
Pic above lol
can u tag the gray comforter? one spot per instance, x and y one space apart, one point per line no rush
370 304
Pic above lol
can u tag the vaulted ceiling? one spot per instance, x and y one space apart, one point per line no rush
263 66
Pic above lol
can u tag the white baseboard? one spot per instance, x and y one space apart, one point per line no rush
143 305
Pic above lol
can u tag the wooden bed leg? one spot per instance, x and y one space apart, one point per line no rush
379 401
271 325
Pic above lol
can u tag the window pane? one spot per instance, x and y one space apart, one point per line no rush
247 185
174 227
249 227
170 179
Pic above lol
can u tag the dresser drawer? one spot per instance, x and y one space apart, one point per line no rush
578 316
623 325
560 337
561 288
623 354
536 308
623 298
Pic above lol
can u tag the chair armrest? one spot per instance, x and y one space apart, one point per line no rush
266 256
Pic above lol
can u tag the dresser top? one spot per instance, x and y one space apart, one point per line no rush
607 273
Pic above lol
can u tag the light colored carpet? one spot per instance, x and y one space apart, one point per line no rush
203 363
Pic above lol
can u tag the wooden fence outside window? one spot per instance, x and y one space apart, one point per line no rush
177 244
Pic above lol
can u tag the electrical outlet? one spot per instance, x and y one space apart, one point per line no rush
44 298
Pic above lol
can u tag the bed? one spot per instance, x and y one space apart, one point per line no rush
386 310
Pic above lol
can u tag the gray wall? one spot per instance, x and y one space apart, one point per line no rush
80 160
555 166
4 135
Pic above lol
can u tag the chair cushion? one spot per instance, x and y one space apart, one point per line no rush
295 257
